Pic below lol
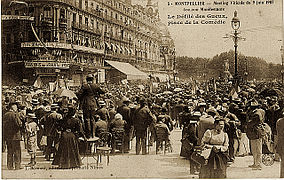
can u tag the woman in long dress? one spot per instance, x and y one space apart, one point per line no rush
218 142
68 151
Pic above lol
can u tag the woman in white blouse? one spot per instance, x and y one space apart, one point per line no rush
217 141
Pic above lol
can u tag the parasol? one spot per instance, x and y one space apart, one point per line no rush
178 89
66 93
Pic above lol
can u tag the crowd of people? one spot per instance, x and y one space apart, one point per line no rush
219 121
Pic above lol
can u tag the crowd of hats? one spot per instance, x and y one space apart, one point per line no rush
217 99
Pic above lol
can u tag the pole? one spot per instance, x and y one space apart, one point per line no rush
236 57
174 66
236 53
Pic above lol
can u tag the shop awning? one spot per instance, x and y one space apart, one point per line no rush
117 46
122 49
130 71
113 47
107 45
127 50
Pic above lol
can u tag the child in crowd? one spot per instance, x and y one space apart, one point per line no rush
31 129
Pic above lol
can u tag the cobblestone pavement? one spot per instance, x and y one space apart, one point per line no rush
169 165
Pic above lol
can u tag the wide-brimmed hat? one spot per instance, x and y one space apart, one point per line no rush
35 102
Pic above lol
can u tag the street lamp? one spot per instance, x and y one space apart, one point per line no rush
282 68
236 26
175 72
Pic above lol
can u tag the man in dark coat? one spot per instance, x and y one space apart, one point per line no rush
50 128
88 103
124 110
103 112
12 134
142 120
100 126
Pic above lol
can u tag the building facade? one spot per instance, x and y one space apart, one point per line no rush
68 39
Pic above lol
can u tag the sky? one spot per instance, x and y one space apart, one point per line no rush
261 25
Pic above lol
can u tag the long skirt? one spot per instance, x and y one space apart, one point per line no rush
216 167
68 152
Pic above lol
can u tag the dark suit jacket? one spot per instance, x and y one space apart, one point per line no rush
12 126
126 114
87 96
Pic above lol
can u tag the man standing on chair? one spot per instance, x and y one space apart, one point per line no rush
88 96
142 119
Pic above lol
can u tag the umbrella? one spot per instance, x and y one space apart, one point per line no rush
272 92
65 92
167 92
178 89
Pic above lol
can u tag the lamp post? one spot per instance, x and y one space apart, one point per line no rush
174 68
282 60
236 26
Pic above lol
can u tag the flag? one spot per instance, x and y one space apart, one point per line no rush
215 85
239 89
233 94
33 29
37 82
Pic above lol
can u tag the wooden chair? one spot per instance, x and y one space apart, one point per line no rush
103 149
162 140
118 140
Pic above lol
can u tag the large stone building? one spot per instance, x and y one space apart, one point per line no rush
68 39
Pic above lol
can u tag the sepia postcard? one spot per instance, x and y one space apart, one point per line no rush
142 89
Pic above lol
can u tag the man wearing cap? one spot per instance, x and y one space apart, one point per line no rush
88 102
124 110
142 120
12 134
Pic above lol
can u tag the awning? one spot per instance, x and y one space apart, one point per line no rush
127 50
122 48
130 71
131 52
107 45
117 46
113 47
